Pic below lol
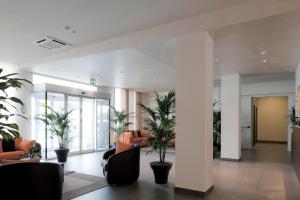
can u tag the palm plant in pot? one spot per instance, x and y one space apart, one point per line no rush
161 123
58 123
119 122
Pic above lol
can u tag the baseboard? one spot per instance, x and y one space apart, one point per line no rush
193 192
231 159
271 142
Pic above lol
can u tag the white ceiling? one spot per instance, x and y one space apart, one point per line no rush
152 66
143 68
238 47
146 66
23 22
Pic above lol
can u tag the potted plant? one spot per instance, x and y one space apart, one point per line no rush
119 122
216 130
161 123
58 123
293 119
8 131
35 151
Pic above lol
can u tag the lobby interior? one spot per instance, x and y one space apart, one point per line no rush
237 59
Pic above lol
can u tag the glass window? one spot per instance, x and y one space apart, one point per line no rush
74 131
38 126
57 102
102 124
88 124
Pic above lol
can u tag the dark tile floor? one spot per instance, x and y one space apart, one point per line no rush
264 173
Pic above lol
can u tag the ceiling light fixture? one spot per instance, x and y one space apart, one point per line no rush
264 61
263 52
217 60
70 29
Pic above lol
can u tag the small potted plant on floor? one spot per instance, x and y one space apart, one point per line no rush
58 123
161 123
119 122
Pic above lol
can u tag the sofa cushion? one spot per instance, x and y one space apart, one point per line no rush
8 145
121 146
1 149
25 145
12 155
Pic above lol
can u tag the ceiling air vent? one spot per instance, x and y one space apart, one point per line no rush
51 43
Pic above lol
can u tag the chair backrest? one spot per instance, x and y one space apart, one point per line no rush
124 167
34 181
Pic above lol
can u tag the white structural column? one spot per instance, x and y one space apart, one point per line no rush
194 98
230 117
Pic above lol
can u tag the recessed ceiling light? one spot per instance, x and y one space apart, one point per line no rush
217 60
70 29
264 61
263 52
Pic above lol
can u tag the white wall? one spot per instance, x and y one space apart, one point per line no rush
297 78
230 117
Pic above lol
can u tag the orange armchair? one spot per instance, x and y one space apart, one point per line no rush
129 138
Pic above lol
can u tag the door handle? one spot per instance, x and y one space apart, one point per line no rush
246 126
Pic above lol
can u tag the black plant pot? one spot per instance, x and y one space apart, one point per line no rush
62 155
161 171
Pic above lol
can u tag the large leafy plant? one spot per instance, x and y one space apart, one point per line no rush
216 127
119 121
58 124
294 121
161 123
8 104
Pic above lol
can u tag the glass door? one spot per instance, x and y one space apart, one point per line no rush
88 124
74 131
38 100
57 102
102 131
89 130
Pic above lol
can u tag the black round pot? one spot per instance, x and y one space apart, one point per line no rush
161 171
62 155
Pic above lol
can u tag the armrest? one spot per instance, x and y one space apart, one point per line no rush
108 153
145 133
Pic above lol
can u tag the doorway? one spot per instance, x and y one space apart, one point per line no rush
254 121
269 119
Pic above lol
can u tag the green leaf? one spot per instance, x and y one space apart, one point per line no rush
16 100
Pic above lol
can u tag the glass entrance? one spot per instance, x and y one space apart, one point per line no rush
102 132
57 102
89 130
74 131
88 124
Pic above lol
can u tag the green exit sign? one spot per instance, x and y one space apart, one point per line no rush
93 81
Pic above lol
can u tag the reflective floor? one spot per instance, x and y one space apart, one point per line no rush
264 173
